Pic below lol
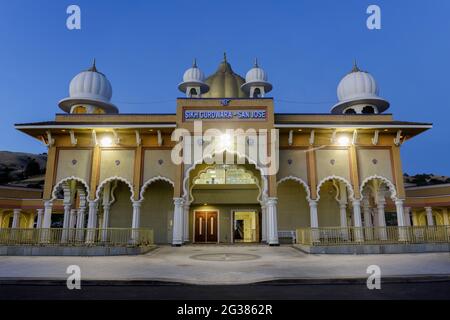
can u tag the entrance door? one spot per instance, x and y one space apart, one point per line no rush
245 226
205 225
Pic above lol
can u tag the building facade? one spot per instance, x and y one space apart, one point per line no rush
342 170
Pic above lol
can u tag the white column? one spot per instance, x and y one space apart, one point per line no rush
72 223
16 219
73 218
343 219
136 222
359 236
429 211
343 214
105 221
92 221
186 222
263 222
367 214
407 213
272 227
40 215
47 222
177 239
314 220
80 221
381 218
402 232
67 208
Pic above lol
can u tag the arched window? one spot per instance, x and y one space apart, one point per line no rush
368 110
257 93
350 111
193 92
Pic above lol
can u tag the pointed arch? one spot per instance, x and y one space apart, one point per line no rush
102 184
150 181
300 181
339 178
390 185
67 179
258 184
264 186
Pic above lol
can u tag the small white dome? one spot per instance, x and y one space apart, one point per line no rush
357 90
193 77
256 74
89 87
193 74
256 77
357 85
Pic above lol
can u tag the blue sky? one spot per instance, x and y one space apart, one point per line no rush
305 46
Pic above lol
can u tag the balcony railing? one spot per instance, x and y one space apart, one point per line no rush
333 236
77 237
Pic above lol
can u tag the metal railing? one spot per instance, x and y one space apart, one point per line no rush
77 237
333 236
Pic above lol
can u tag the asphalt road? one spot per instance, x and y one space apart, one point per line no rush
147 291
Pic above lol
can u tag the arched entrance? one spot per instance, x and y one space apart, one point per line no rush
223 203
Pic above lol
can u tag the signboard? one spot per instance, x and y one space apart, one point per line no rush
224 115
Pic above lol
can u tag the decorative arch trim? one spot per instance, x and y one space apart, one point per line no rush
258 184
263 193
102 184
60 183
388 182
150 181
300 181
339 178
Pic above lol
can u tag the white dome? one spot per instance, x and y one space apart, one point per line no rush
193 74
90 85
357 85
357 90
256 74
91 88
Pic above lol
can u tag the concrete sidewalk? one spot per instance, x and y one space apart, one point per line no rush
212 264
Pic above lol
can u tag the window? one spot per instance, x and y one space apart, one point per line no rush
257 93
368 110
350 111
225 174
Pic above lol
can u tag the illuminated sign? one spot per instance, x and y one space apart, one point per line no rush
245 115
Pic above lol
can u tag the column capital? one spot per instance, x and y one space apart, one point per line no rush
356 202
48 203
136 203
178 201
312 203
17 210
40 211
271 201
343 205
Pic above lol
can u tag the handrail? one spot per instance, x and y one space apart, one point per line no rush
328 236
77 237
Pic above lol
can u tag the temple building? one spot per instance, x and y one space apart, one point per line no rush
314 179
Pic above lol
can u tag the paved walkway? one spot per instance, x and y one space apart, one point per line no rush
211 264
